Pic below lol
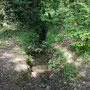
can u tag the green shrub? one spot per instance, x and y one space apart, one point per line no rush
52 34
28 38
76 23
2 43
54 65
68 70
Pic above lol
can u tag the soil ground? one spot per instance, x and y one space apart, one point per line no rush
14 76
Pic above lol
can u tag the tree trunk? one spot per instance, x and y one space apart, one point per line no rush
42 33
49 16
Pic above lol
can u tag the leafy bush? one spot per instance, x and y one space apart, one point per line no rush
68 70
2 43
52 34
76 23
54 65
28 14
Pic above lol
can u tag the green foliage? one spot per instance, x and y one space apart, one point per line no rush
28 39
6 34
54 65
86 56
34 17
53 35
21 10
23 37
2 43
68 70
44 45
60 64
27 13
77 24
59 37
30 60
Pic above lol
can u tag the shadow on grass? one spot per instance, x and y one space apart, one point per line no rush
20 36
5 34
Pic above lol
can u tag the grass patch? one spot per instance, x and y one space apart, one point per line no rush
30 60
59 63
83 52
2 43
52 34
68 70
22 37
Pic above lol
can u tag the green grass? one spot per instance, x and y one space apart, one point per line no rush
52 34
83 52
5 34
2 43
23 37
60 60
68 70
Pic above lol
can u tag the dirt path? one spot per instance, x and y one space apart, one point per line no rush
12 65
13 68
42 79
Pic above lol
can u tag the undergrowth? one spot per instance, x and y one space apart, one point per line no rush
59 63
28 40
53 34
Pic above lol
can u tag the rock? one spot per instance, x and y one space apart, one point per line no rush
75 88
50 88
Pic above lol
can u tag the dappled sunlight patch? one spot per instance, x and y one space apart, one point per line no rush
78 61
20 67
16 48
6 42
10 26
6 54
68 57
71 57
66 54
2 57
69 61
9 43
34 74
77 64
18 51
14 56
18 59
40 68
55 45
